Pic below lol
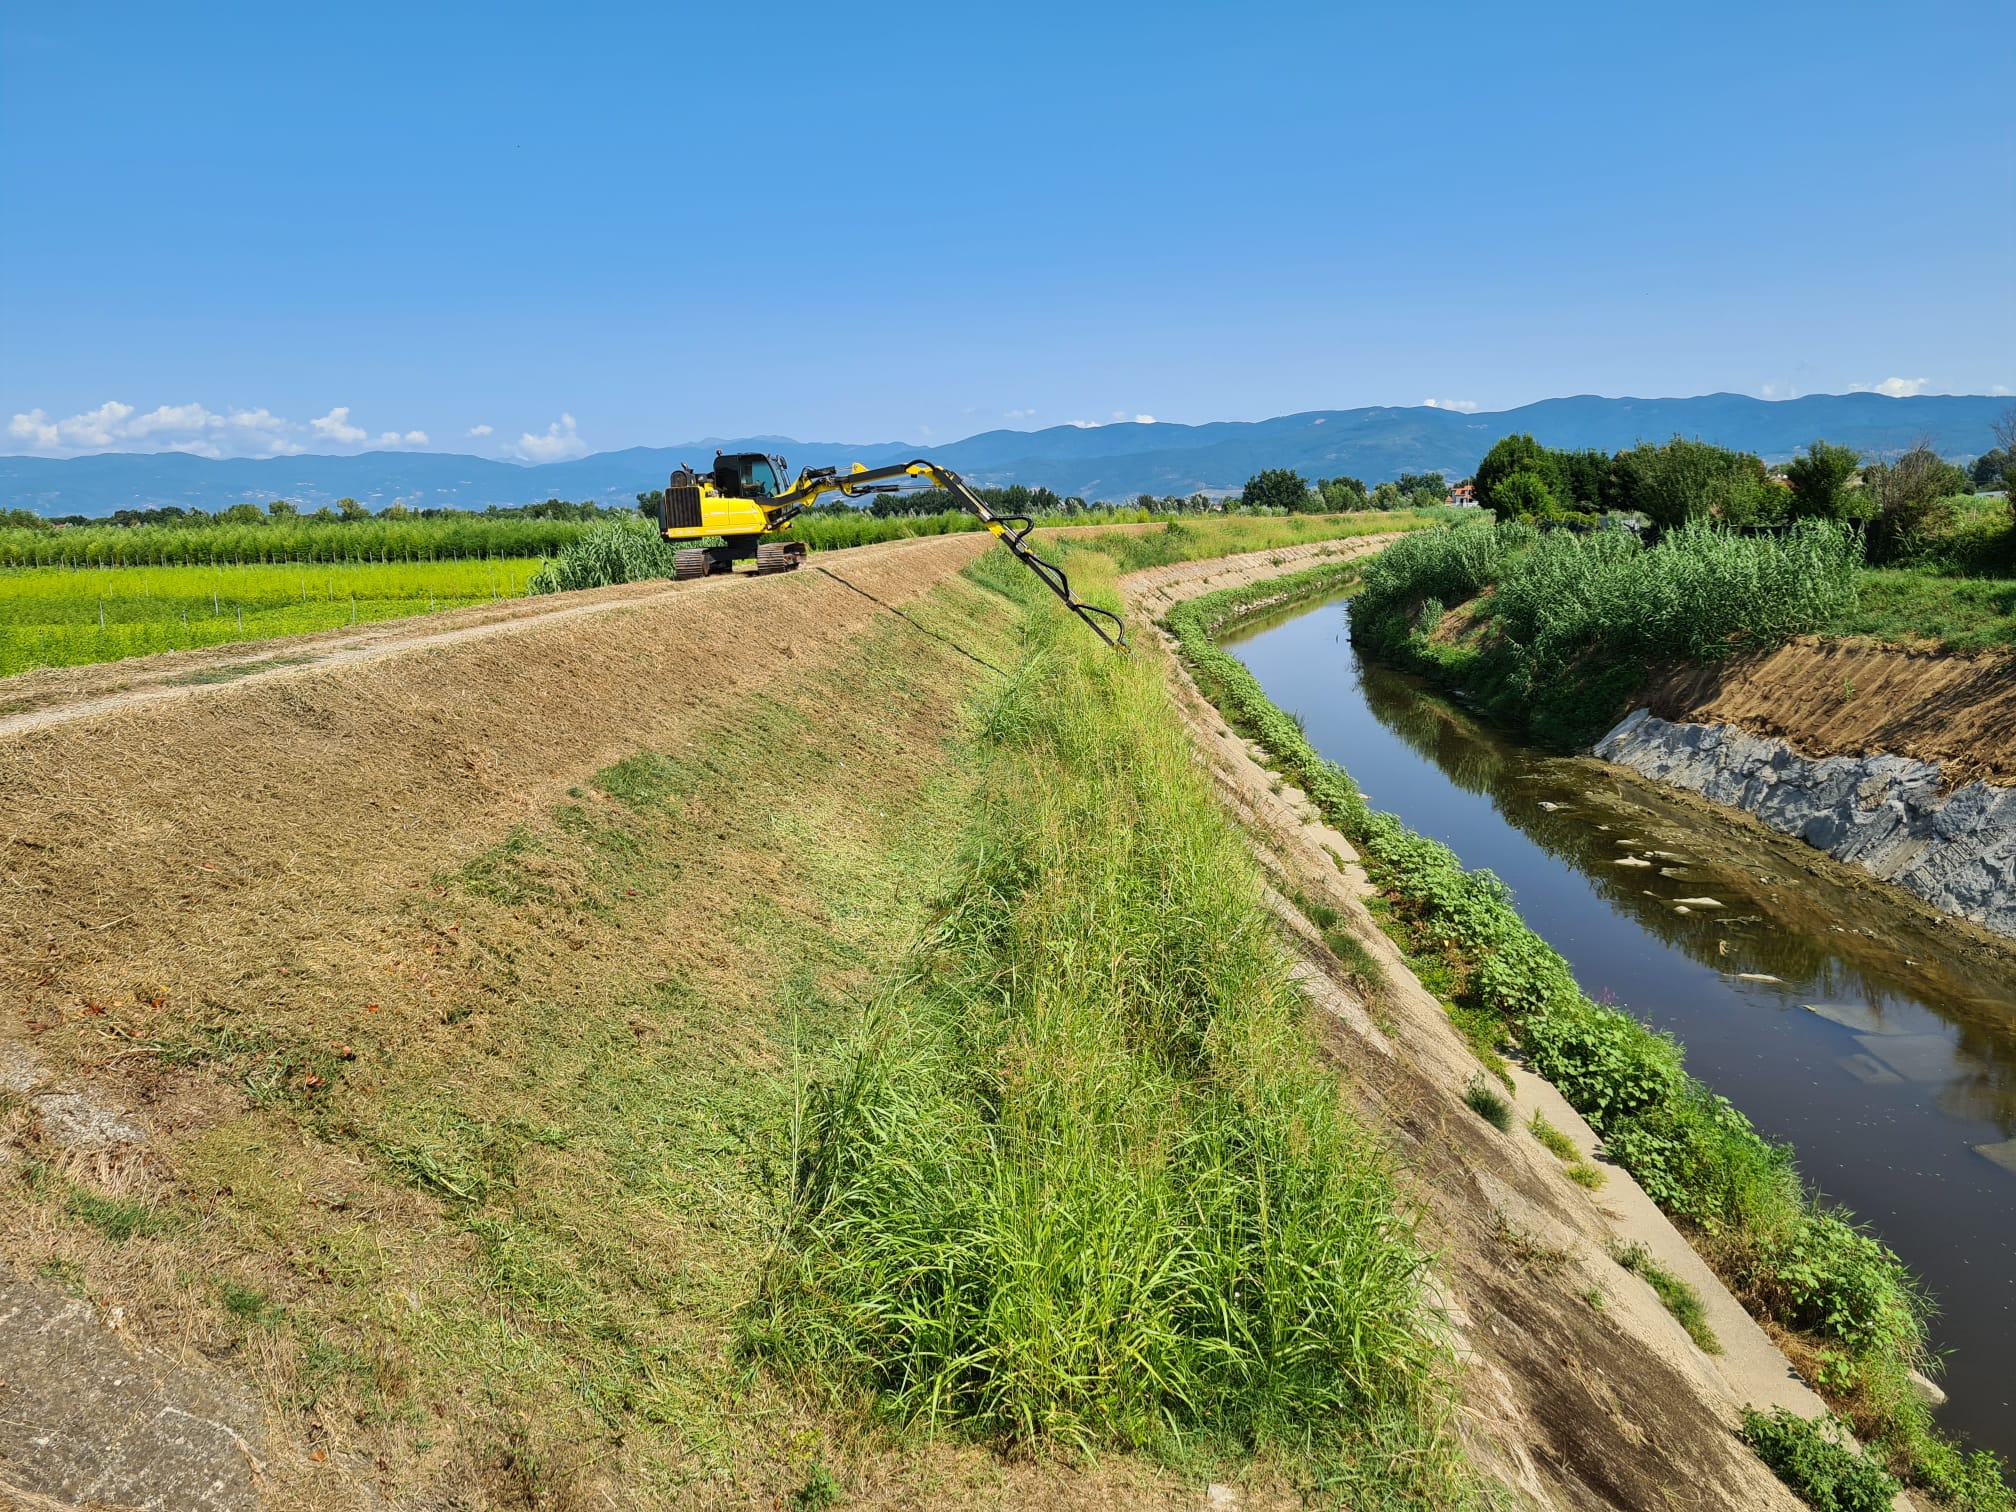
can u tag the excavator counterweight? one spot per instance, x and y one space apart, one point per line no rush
744 499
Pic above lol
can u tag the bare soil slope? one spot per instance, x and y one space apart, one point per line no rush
1853 698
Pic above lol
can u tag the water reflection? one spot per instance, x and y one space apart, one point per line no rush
1879 1041
1740 899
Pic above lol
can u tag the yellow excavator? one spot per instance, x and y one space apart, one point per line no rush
744 499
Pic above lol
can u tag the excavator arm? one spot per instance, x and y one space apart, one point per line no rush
1011 531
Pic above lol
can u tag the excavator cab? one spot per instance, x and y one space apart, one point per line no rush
748 475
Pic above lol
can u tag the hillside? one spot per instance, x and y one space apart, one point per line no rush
1097 462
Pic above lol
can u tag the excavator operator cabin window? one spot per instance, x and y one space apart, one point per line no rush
762 479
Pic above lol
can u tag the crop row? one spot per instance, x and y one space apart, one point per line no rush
58 618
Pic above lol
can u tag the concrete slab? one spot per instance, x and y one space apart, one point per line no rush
86 1418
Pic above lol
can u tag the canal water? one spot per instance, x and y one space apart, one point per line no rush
1840 1018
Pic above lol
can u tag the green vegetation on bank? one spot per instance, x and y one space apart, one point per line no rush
1551 631
1820 1462
1857 1315
1081 1179
1562 626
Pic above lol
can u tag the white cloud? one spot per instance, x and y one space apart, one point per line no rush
479 430
1999 389
1144 419
1895 388
1084 424
91 431
1022 414
1461 406
336 426
35 429
191 428
558 444
177 417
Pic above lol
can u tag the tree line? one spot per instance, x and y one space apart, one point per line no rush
1285 490
1896 502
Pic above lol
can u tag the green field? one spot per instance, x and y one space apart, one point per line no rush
65 617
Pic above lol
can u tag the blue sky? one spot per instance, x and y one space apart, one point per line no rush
259 228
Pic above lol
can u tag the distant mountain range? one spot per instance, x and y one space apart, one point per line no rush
1102 462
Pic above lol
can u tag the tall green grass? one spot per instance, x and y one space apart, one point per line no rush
1790 1257
1081 1181
607 554
1570 622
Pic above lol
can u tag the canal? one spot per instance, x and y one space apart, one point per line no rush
1848 1022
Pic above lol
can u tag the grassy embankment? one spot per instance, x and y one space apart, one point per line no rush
103 593
1553 633
1848 1309
998 1122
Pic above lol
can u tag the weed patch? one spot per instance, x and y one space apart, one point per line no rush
1487 1104
1819 1461
1679 1298
1553 1140
118 1219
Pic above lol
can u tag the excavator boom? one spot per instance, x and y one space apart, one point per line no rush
740 502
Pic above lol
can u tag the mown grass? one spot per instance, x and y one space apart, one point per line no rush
1080 1181
1806 1266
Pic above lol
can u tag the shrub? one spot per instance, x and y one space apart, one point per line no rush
1819 481
1818 1460
608 554
1523 493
